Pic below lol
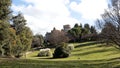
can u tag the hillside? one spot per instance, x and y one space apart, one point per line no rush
85 55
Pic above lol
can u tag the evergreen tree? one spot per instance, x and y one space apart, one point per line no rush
76 33
23 32
93 30
87 28
5 10
4 25
19 23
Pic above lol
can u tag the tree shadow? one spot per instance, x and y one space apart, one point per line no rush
90 52
87 44
113 53
46 58
86 48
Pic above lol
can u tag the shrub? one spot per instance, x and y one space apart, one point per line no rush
70 47
45 52
62 51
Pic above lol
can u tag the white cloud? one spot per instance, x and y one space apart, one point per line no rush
43 15
90 9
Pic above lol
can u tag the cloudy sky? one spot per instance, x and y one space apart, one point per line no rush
43 15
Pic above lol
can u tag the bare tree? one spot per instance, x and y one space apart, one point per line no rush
111 27
56 37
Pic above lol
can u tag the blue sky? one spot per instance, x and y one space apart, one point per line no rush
43 15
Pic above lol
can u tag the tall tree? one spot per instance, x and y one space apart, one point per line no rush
111 17
76 33
76 25
4 36
26 38
107 32
5 10
93 30
19 22
87 28
93 33
4 24
23 32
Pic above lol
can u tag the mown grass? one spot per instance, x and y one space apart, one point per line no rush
85 55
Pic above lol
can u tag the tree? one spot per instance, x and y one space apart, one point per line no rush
93 30
111 19
26 39
38 41
18 22
23 32
14 39
107 32
4 25
79 33
76 25
87 28
4 36
76 33
16 48
56 37
5 10
62 51
7 39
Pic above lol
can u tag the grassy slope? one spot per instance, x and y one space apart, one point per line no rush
85 55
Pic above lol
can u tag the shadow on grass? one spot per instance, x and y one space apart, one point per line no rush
87 44
42 57
47 58
113 53
90 52
86 48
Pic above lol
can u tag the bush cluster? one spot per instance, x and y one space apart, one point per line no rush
63 51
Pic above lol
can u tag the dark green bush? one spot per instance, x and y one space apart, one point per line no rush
62 51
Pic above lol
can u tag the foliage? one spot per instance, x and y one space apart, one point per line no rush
4 25
38 41
15 39
19 22
70 47
56 37
23 33
44 53
16 49
5 11
76 33
4 36
62 51
87 28
7 39
79 33
111 24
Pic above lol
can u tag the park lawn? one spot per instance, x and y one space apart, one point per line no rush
85 55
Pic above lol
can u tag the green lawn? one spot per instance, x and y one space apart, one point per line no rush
85 55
